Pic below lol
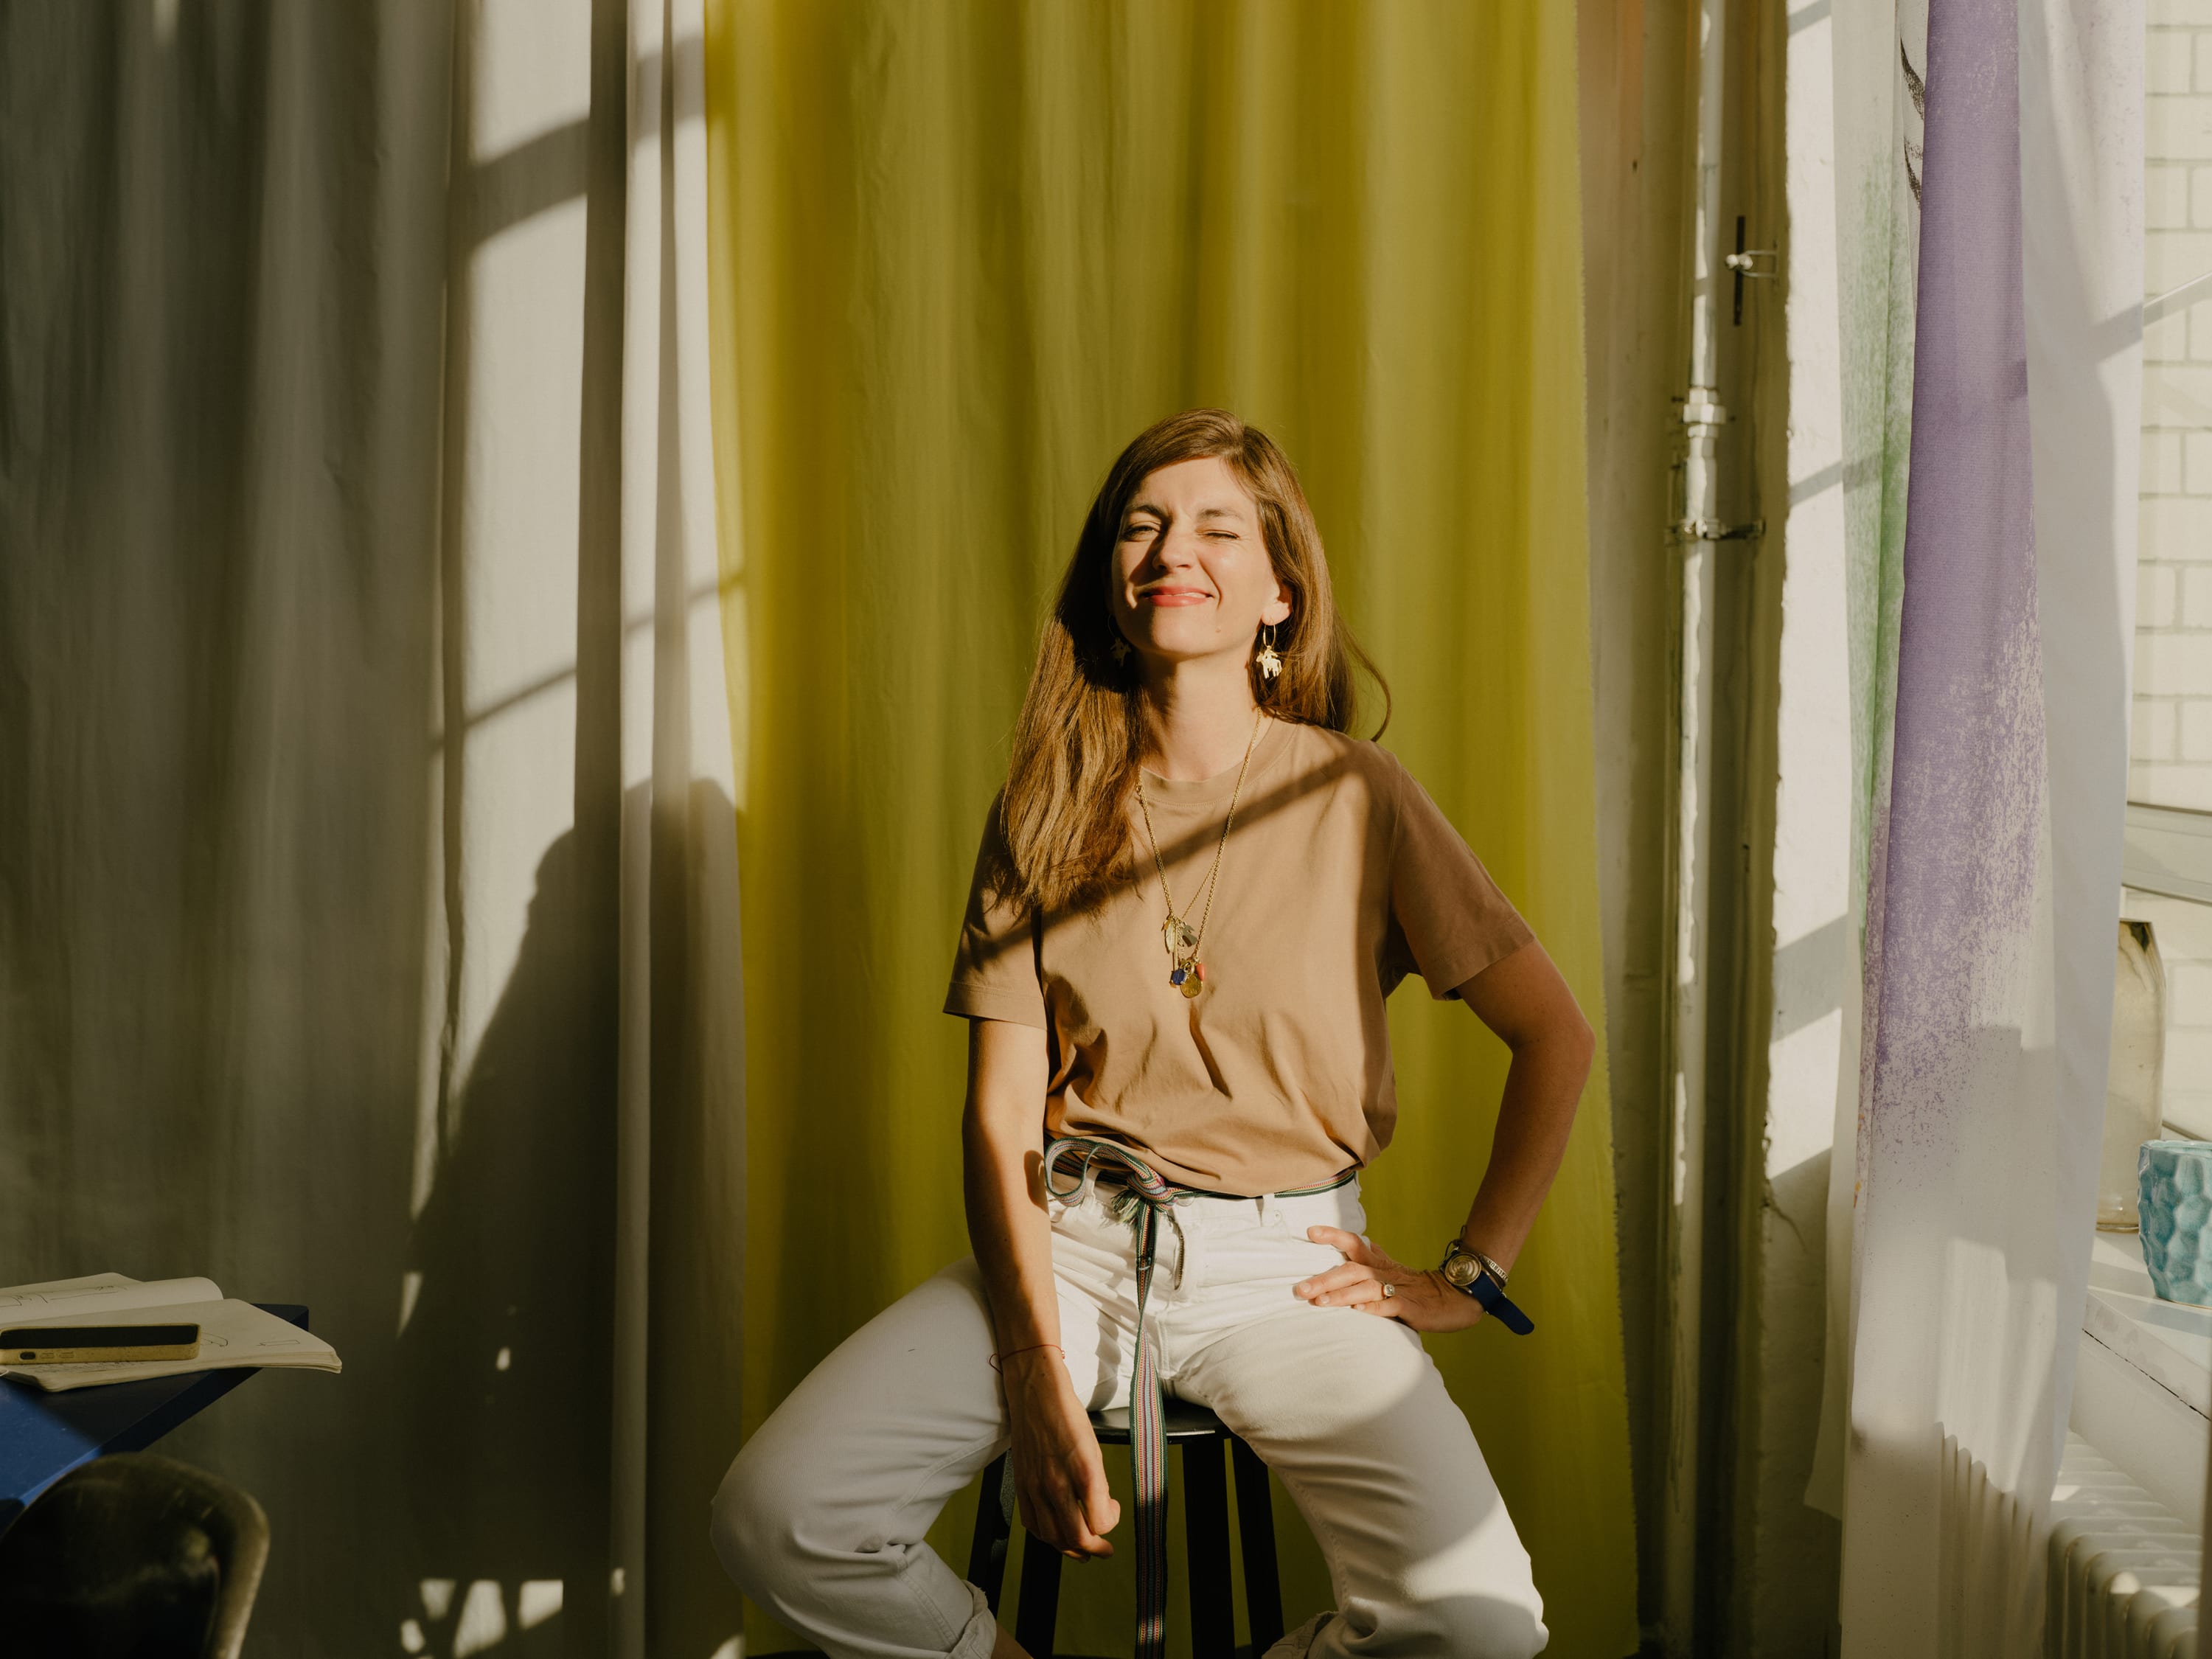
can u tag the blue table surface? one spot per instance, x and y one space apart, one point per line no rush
43 1436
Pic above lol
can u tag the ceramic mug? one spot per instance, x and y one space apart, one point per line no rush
2173 1178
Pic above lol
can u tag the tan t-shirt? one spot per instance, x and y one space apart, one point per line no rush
1341 876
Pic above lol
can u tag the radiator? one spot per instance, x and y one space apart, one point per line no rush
2124 1568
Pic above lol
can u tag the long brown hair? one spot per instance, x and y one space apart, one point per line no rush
1076 747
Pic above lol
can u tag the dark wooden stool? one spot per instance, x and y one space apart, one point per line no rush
1205 1491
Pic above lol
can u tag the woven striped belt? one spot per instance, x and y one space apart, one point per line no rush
1142 1198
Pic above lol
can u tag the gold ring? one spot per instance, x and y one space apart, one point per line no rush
1388 1290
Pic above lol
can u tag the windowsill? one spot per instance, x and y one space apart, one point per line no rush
2169 1342
2187 1112
2143 1391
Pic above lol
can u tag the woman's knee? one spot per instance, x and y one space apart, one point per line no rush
754 1522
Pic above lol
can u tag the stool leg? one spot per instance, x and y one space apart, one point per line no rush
1206 1536
1034 1625
1255 1516
986 1550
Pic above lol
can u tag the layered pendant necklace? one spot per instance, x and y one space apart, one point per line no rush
1186 972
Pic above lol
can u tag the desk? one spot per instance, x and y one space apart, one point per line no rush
43 1436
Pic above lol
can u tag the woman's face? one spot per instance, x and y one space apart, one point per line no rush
1191 576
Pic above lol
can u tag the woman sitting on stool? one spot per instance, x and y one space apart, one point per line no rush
1192 898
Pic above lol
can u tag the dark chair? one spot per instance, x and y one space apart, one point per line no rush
132 1557
1204 1491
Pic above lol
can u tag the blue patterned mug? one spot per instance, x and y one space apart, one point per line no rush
2174 1179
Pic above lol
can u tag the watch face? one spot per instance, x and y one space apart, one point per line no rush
1461 1270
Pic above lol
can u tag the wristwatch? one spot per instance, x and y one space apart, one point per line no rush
1476 1275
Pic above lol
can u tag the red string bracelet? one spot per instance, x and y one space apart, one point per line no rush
1032 1348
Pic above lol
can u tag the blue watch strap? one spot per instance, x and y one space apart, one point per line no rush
1484 1289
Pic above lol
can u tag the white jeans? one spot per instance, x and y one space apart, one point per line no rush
821 1518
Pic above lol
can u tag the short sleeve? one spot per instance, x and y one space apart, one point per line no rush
1451 917
994 971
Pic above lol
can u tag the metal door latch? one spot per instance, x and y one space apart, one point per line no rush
1744 262
1705 530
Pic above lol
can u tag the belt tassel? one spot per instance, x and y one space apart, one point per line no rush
1148 1198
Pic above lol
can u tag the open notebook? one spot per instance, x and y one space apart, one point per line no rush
231 1333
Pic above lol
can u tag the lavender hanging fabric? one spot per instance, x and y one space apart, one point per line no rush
1958 1114
1879 100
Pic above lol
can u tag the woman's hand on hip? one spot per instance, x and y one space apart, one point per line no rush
1422 1299
1060 1478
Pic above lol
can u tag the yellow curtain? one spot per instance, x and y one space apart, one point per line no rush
962 253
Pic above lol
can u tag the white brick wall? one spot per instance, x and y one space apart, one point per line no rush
2170 746
2170 750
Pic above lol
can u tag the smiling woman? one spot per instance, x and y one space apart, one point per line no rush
1230 1112
1200 537
954 276
1191 538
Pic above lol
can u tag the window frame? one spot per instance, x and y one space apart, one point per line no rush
2168 851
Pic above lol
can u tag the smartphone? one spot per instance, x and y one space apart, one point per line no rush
53 1344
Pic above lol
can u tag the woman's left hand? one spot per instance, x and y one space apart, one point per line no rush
1421 1299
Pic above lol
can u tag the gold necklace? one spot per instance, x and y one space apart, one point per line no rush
1185 971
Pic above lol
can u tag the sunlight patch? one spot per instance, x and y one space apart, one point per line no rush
538 1600
484 1619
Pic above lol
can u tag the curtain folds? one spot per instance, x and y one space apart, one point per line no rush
962 254
1877 256
1993 740
367 887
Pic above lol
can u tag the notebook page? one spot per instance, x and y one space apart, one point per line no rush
101 1296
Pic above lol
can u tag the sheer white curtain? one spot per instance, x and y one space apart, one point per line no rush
1995 613
367 919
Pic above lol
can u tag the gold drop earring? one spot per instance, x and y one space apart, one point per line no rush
1269 658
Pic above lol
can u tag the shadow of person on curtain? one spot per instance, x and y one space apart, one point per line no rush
504 1367
505 1360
